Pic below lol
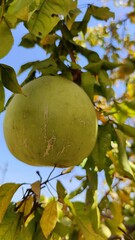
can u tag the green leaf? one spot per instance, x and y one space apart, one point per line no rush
18 9
110 65
17 5
102 146
28 41
95 216
104 79
131 106
26 232
38 234
102 13
94 213
11 20
9 225
61 191
92 178
122 156
94 67
122 110
89 54
2 97
6 39
108 171
105 84
63 227
8 77
78 190
82 218
30 77
25 67
48 15
0 10
83 24
75 65
46 67
49 218
70 18
128 130
7 191
54 236
91 198
87 83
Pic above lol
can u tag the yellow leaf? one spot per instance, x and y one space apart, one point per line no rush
127 68
49 218
25 208
7 191
104 231
117 218
36 189
124 196
23 13
48 40
29 218
28 205
67 170
132 17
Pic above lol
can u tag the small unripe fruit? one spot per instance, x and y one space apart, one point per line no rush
53 124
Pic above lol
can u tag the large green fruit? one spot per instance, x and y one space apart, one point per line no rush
53 124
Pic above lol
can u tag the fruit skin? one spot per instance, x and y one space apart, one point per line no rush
53 124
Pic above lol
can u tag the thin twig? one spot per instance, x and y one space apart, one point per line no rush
52 187
49 190
43 184
126 234
51 173
38 173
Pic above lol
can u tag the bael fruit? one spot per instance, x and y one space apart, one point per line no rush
53 124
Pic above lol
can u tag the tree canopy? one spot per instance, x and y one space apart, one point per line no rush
64 31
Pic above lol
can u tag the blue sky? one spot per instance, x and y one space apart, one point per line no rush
12 170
